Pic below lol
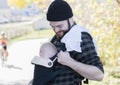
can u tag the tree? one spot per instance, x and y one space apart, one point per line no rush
17 3
118 1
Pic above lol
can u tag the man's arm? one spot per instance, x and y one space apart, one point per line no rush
88 71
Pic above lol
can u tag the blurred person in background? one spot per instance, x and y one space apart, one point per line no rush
3 44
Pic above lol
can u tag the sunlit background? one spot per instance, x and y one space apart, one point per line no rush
26 19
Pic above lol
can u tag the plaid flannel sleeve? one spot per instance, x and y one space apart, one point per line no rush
89 54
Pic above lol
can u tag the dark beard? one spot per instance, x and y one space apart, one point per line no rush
60 37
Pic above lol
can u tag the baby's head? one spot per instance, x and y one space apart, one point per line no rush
47 50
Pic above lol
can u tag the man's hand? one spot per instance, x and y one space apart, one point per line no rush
64 58
88 71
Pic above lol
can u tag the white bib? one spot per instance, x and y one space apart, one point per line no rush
73 40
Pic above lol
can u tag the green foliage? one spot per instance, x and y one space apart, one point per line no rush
111 77
17 3
35 34
103 20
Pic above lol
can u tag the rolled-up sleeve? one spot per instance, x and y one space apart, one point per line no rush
89 52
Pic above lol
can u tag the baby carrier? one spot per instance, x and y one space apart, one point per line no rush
44 72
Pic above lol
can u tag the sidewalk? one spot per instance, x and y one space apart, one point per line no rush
18 69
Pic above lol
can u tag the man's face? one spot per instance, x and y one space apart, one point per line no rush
59 27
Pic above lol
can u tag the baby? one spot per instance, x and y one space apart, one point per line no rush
43 71
47 50
47 55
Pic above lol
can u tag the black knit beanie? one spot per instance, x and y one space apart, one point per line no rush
59 10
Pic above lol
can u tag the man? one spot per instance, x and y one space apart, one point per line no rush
81 59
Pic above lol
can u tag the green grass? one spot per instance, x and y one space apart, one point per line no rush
36 34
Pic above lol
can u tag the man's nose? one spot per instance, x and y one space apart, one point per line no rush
56 29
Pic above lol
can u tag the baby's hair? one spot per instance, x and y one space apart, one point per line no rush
48 49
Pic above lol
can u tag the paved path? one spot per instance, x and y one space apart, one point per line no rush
18 69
